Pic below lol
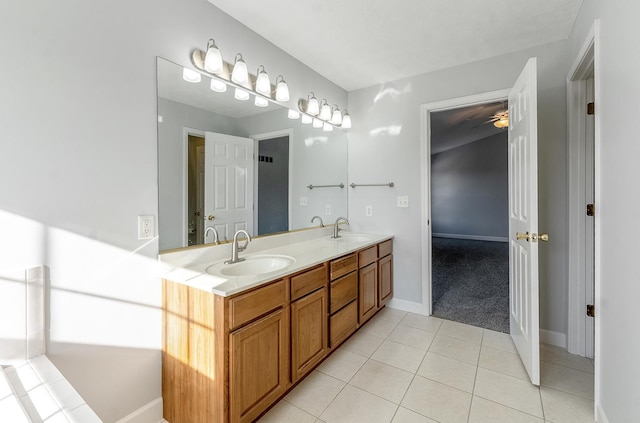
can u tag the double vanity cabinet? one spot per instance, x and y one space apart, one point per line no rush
229 358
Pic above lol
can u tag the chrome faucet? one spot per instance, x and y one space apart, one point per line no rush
236 248
336 229
215 234
318 217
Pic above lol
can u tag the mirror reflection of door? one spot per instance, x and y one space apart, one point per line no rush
272 211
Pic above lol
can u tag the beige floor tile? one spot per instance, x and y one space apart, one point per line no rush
342 364
379 327
560 356
503 362
353 405
462 331
428 323
567 379
391 314
446 370
413 337
507 390
284 412
499 341
560 407
456 349
315 393
484 411
363 344
404 415
437 401
399 355
383 380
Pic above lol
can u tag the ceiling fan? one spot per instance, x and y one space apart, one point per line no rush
500 119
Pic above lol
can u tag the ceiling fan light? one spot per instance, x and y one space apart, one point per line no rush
190 75
263 84
240 74
325 111
213 58
282 89
241 94
218 86
306 119
501 123
293 114
346 121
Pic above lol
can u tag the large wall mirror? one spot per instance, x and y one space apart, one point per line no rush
228 164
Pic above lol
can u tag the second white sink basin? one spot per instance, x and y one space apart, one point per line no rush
351 237
252 266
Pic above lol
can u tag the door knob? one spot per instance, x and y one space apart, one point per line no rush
211 217
520 235
543 237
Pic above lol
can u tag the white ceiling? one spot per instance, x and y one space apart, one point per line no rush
361 43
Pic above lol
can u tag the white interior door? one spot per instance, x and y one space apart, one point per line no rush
523 220
228 184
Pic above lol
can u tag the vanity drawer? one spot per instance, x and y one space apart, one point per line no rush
367 256
309 281
343 291
343 323
385 248
247 307
343 265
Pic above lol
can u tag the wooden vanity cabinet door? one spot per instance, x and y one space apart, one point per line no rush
258 365
368 292
309 335
385 279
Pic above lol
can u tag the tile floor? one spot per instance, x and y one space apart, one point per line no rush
407 368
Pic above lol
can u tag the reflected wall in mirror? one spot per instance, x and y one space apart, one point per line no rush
230 165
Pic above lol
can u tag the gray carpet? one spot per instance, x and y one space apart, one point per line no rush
470 282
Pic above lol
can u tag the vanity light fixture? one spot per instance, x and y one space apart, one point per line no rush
327 127
240 74
282 89
306 119
190 75
241 94
218 86
336 117
293 114
317 123
346 120
213 58
313 107
325 110
263 84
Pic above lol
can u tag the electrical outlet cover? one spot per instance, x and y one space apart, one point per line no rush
146 227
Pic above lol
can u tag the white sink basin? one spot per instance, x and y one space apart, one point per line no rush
351 237
252 266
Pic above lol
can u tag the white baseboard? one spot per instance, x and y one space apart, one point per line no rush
472 237
557 339
600 416
405 305
148 413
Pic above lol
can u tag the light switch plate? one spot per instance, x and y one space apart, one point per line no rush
146 227
303 201
368 211
403 201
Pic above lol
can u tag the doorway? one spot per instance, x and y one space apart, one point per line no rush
469 215
272 213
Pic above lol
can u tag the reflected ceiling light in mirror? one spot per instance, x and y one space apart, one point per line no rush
190 75
336 117
240 74
346 120
325 110
213 58
317 123
293 114
261 101
306 119
218 86
282 89
327 127
241 94
263 84
313 107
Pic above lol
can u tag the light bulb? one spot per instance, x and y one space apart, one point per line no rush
327 127
241 94
261 101
282 89
317 123
240 75
313 107
306 119
213 58
346 121
263 85
325 111
336 118
293 114
218 86
190 75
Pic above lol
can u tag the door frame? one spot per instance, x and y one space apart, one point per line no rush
425 173
185 179
587 59
266 136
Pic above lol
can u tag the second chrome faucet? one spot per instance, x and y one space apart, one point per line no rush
236 247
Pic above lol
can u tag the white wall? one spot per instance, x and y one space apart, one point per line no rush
617 202
79 163
470 189
384 146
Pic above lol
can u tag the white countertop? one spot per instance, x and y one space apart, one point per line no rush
306 254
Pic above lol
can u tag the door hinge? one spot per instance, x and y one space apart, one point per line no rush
591 310
591 210
591 108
